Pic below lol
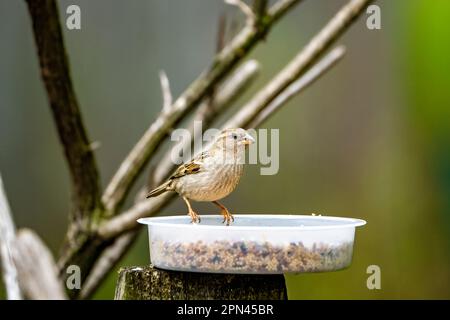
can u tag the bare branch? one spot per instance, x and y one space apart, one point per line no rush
127 220
37 269
64 105
7 237
165 88
224 62
298 66
298 86
280 8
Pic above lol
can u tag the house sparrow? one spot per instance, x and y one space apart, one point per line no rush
212 175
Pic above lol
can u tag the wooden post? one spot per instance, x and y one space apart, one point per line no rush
149 283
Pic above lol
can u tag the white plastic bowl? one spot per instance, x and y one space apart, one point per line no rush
253 244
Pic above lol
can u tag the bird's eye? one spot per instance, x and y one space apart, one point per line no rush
234 135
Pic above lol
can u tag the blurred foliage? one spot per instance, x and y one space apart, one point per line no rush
427 84
369 140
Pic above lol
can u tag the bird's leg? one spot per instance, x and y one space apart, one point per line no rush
227 216
194 216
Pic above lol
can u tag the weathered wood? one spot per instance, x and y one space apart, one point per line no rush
149 283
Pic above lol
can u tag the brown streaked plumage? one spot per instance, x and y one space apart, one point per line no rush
212 175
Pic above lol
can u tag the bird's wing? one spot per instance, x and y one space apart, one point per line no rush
191 167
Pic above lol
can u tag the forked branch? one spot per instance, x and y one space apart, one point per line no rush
244 117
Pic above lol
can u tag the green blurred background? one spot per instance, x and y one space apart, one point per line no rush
370 140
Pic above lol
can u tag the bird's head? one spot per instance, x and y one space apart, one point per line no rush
233 139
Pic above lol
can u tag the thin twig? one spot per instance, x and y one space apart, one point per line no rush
165 89
279 8
298 66
7 238
224 62
127 220
221 33
298 86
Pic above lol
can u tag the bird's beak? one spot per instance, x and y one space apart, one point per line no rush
248 140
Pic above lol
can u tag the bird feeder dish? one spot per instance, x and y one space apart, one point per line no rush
252 244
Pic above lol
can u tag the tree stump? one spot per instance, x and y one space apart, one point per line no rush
149 283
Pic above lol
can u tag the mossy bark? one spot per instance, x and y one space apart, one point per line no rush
149 283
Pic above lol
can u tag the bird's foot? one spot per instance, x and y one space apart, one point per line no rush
195 218
227 216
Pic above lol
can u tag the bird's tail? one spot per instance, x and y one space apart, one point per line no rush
158 190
